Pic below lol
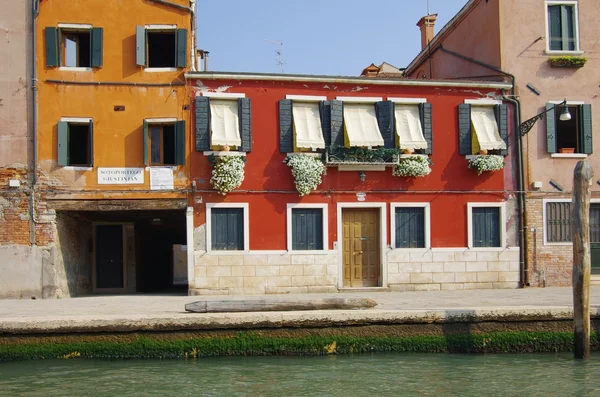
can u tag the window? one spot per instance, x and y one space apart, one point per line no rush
223 121
412 123
164 142
562 26
410 225
301 123
307 227
558 221
483 127
161 46
572 136
74 46
486 225
360 126
75 143
227 227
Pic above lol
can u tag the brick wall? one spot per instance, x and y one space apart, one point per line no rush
14 208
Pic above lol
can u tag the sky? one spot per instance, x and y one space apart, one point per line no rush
329 37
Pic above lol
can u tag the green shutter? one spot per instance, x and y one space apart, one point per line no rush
97 37
140 46
180 142
567 28
410 227
63 143
586 128
555 27
286 126
245 120
427 125
202 119
337 122
550 128
501 112
307 229
385 121
325 113
464 129
227 229
91 144
181 61
486 226
51 47
145 131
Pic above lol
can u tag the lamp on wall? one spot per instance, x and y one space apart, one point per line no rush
527 125
362 176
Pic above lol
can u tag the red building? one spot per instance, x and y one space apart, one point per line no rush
442 227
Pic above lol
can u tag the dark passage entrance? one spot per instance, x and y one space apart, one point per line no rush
109 257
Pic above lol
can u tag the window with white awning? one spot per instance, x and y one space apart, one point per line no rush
484 124
408 127
224 123
360 124
308 133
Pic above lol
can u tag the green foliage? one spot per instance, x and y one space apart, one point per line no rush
567 62
362 155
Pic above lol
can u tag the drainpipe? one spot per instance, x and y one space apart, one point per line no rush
35 10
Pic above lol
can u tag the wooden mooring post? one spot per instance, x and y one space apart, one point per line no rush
580 227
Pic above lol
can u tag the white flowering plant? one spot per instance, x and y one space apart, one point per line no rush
484 163
413 166
307 172
227 173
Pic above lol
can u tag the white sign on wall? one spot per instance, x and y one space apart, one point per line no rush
161 178
120 176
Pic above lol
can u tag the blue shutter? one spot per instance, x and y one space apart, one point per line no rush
51 46
245 118
501 112
464 129
227 229
286 126
63 143
410 227
140 45
427 124
307 229
145 140
337 122
325 112
385 120
202 113
96 36
180 142
181 56
586 128
550 128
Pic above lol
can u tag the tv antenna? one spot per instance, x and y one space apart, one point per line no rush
279 54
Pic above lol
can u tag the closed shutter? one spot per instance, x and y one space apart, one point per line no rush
140 46
51 46
586 128
385 121
464 129
558 222
286 126
427 125
555 26
337 122
410 227
63 143
202 118
567 28
180 142
181 56
97 37
550 128
245 118
145 140
227 229
501 112
486 226
325 111
307 229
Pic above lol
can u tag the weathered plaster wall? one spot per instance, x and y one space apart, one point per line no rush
21 269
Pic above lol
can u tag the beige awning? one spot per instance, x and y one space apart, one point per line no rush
486 128
224 123
360 122
408 127
307 125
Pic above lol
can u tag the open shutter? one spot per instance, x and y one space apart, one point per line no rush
140 45
337 122
145 132
51 47
202 113
245 118
91 144
63 143
551 128
427 125
464 129
180 142
586 128
385 120
325 112
501 112
181 61
96 36
286 126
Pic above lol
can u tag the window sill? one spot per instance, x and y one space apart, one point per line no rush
365 167
171 167
549 52
74 69
557 244
77 168
234 252
311 154
405 156
569 155
308 252
160 69
473 156
222 153
495 249
393 249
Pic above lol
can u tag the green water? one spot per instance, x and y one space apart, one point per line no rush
352 375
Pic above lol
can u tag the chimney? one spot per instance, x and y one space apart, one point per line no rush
202 54
426 25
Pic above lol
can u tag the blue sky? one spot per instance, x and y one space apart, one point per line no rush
331 37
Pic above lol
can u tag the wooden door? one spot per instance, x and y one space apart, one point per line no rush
109 269
361 247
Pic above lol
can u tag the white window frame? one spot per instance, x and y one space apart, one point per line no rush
357 99
568 155
407 101
160 28
575 4
426 220
323 208
76 27
229 96
502 206
245 207
77 120
545 219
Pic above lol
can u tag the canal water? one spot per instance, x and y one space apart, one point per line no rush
352 375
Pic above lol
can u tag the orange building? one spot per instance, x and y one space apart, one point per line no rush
111 146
